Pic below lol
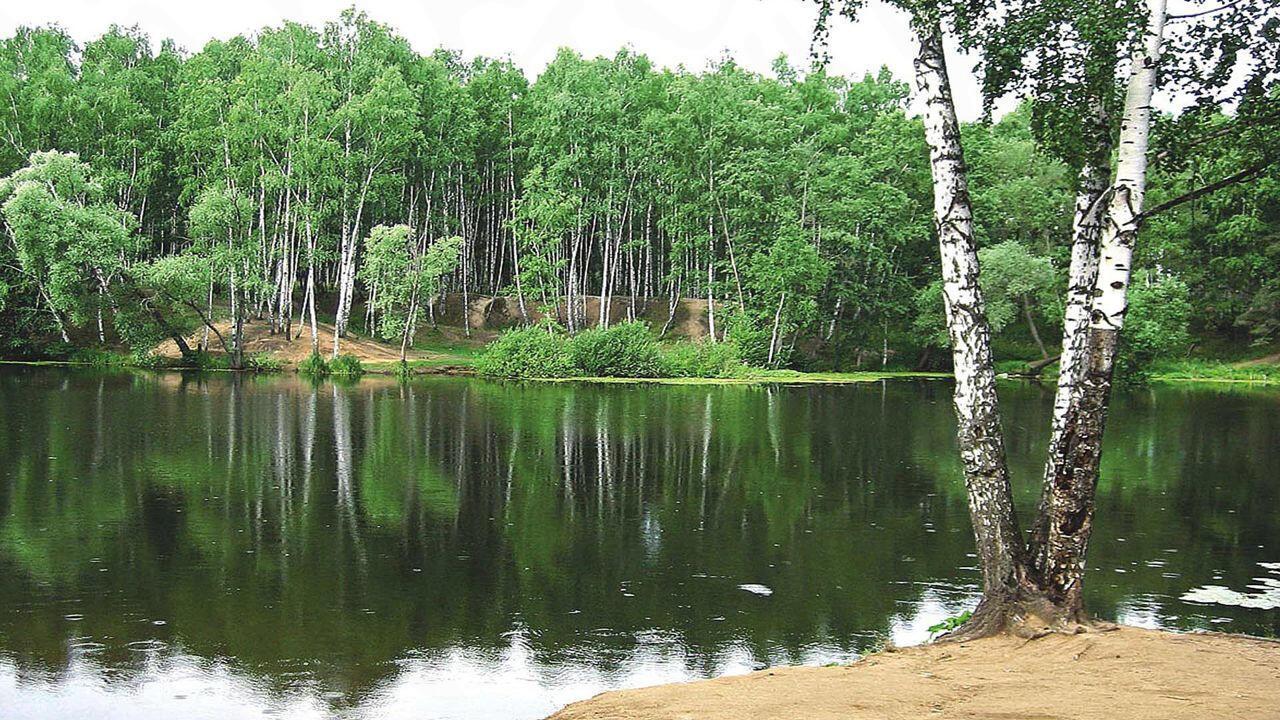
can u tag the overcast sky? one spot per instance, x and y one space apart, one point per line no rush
671 32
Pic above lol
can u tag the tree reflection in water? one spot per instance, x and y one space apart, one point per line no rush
177 544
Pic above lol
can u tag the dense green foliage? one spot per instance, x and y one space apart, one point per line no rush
346 366
1156 327
624 350
539 351
298 167
400 272
314 365
704 360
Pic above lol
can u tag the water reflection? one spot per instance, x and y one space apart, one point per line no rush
176 545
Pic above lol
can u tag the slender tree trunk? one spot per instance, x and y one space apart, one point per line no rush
311 308
237 338
1083 275
711 303
347 268
204 339
999 541
1069 508
102 330
773 336
1031 325
884 344
411 323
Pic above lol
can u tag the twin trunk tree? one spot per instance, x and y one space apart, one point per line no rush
1035 585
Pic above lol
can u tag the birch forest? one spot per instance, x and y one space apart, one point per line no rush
297 174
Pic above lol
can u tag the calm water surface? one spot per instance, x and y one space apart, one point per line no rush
232 547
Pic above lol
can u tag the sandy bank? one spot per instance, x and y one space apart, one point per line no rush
1126 674
292 350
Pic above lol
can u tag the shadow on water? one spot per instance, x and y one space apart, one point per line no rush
178 544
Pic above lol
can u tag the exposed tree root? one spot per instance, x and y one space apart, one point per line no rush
1026 614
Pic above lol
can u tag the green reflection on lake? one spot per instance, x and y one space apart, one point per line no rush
465 548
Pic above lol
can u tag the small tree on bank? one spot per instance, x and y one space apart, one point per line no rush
78 253
69 242
403 273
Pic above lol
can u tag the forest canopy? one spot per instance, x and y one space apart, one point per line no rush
147 190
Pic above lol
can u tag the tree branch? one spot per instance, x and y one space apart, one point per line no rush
1242 176
1210 11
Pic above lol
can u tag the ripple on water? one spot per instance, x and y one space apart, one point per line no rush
1262 594
151 645
87 647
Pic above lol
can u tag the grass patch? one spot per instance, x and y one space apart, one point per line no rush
460 349
97 357
1214 371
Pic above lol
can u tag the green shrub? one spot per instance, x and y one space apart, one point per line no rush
1155 328
262 362
203 360
96 357
198 360
314 365
752 342
539 351
624 350
148 359
346 366
704 360
404 371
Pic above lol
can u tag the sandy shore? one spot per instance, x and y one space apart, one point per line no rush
1124 674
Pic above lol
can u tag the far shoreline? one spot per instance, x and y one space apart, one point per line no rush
765 377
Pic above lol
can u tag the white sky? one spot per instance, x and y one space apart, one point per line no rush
671 32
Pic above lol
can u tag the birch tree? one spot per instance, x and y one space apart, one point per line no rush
1038 587
1069 507
979 432
377 124
405 273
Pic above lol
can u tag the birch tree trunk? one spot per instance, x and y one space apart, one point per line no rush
995 526
773 336
1031 325
1069 507
1082 277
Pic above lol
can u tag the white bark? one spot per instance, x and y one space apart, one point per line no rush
773 337
1124 208
977 409
1066 523
1073 361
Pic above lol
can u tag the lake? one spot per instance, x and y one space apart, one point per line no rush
222 546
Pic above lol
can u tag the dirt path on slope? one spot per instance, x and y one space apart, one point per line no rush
259 339
1273 359
1129 674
